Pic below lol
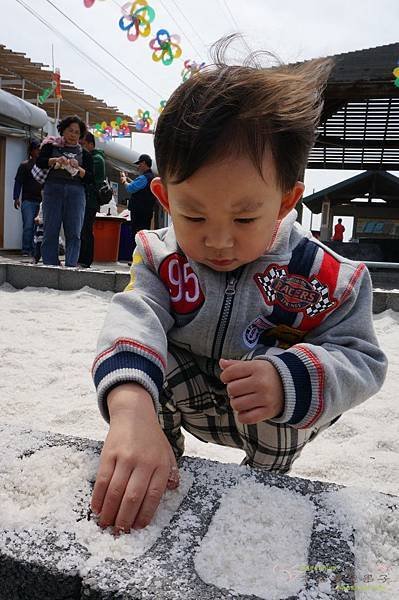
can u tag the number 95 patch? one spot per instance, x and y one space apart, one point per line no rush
184 289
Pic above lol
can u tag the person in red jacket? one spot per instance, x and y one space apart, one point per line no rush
338 232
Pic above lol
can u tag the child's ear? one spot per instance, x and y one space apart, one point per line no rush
159 190
290 199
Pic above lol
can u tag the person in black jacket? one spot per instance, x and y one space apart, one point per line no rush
31 197
142 201
71 167
92 200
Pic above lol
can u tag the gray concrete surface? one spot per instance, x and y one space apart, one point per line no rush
115 277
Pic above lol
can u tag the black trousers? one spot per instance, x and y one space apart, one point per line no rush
138 222
87 237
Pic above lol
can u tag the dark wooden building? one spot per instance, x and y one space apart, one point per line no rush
359 130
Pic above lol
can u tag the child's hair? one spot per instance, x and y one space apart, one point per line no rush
234 110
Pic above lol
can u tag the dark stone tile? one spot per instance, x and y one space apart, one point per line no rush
393 301
21 276
380 301
75 279
121 281
3 273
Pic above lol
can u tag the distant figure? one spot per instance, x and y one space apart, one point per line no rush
338 232
92 201
31 197
38 235
70 169
142 200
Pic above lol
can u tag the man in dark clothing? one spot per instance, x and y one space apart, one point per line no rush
142 201
92 202
31 197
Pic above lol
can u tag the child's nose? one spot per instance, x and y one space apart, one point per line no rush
219 239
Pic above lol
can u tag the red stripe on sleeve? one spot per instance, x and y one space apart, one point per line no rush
327 275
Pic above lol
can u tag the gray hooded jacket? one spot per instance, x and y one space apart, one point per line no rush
302 307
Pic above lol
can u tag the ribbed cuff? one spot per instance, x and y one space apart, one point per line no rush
124 365
301 376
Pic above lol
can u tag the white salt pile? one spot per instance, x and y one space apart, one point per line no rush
257 535
50 490
374 517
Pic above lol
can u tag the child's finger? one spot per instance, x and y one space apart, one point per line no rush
155 490
174 476
103 477
241 387
113 497
134 493
256 415
245 403
236 369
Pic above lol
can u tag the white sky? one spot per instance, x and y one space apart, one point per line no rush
292 30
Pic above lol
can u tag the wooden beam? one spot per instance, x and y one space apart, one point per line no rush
359 144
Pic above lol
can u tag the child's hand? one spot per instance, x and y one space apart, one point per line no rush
137 463
255 389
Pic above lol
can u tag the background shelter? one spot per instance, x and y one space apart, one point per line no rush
359 128
372 199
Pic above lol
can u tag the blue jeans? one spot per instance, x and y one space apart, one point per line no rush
62 203
29 210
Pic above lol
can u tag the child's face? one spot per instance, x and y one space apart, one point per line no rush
225 215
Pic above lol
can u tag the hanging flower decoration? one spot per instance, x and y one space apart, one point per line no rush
117 128
191 68
103 131
88 3
166 47
143 121
136 20
120 127
396 74
162 104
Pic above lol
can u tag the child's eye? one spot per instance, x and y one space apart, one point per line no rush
246 220
195 219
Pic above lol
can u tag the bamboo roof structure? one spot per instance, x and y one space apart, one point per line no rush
27 79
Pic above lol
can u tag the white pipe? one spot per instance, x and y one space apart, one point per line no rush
21 111
121 153
380 265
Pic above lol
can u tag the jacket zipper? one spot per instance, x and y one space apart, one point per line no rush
224 317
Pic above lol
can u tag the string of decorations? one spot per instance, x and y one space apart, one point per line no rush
191 68
143 121
117 128
136 21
